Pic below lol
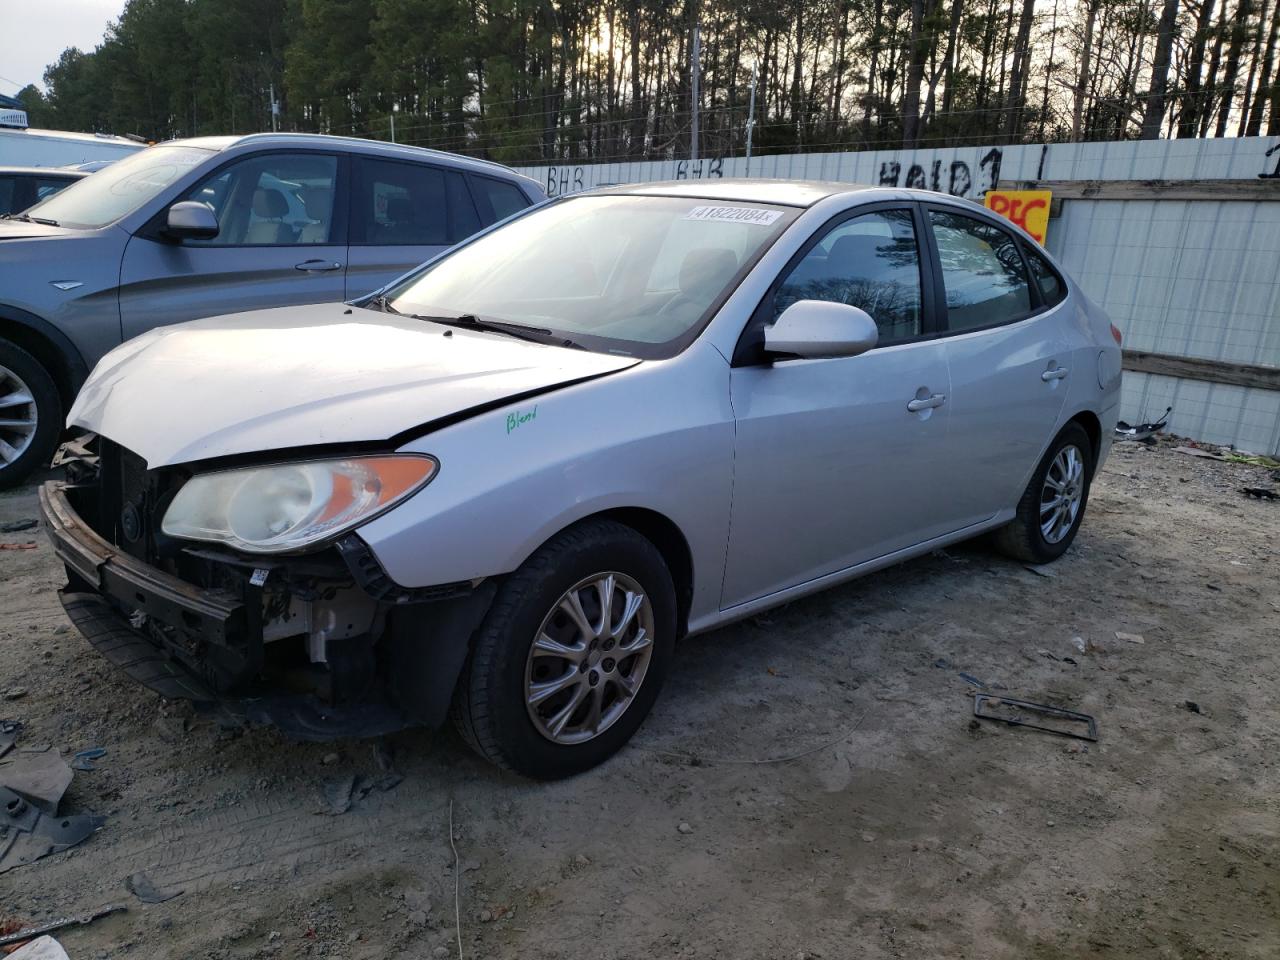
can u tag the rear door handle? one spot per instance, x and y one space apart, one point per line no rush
936 400
317 266
1057 373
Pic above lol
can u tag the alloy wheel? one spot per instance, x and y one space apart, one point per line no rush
18 416
1062 494
589 658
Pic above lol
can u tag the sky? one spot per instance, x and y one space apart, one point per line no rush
36 32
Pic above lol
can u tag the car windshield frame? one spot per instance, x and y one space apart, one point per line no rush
397 296
130 173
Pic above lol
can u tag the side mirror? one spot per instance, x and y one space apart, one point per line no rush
191 220
813 329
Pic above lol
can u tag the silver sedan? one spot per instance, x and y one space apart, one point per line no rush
507 484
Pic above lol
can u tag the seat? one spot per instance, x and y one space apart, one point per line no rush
269 209
318 203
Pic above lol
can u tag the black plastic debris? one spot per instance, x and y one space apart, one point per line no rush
28 833
9 730
1143 432
1260 493
84 759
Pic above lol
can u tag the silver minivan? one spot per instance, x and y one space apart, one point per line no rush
202 227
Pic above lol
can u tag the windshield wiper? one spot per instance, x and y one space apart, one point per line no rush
519 330
27 218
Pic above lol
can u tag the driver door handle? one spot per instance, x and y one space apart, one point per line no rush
317 266
1057 373
936 400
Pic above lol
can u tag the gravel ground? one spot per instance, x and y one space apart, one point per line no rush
903 829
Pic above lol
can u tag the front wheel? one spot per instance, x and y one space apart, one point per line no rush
30 415
1052 506
572 654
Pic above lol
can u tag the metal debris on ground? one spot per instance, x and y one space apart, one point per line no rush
28 933
18 546
1016 712
140 885
1143 431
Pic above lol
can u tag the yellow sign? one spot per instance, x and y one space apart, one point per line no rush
1029 209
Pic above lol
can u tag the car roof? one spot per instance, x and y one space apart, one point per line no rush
354 145
793 193
46 172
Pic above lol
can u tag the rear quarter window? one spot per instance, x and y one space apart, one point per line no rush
497 199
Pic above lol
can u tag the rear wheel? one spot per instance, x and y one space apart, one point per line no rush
1052 506
30 414
571 656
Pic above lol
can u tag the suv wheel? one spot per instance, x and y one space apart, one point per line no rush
570 657
1052 506
30 414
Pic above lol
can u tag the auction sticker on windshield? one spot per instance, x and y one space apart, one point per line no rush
734 215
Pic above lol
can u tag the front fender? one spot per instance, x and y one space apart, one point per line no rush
658 436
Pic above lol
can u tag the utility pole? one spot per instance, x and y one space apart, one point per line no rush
275 109
751 113
394 109
695 58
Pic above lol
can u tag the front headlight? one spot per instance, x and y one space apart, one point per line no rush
289 506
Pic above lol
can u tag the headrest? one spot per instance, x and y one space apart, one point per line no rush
269 203
318 202
711 267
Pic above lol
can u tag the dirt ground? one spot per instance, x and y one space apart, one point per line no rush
907 829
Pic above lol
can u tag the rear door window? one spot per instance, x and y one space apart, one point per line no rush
982 272
410 204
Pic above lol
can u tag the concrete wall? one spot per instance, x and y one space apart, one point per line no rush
1188 278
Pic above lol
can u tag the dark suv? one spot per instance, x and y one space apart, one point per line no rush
196 228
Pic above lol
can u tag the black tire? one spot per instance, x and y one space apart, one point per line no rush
1022 537
48 415
489 705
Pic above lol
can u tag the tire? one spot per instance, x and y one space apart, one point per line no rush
491 707
1024 538
23 451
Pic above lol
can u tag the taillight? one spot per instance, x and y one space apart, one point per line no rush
1115 333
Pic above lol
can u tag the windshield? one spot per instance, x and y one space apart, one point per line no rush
121 188
621 274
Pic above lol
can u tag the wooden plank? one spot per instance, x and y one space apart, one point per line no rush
1248 190
1258 376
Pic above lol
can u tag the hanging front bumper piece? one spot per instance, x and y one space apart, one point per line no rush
316 646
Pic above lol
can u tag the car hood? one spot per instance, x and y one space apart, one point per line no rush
292 377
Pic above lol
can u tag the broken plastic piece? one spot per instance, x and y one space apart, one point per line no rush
140 885
1143 430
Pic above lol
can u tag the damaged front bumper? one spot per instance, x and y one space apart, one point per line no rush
253 651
